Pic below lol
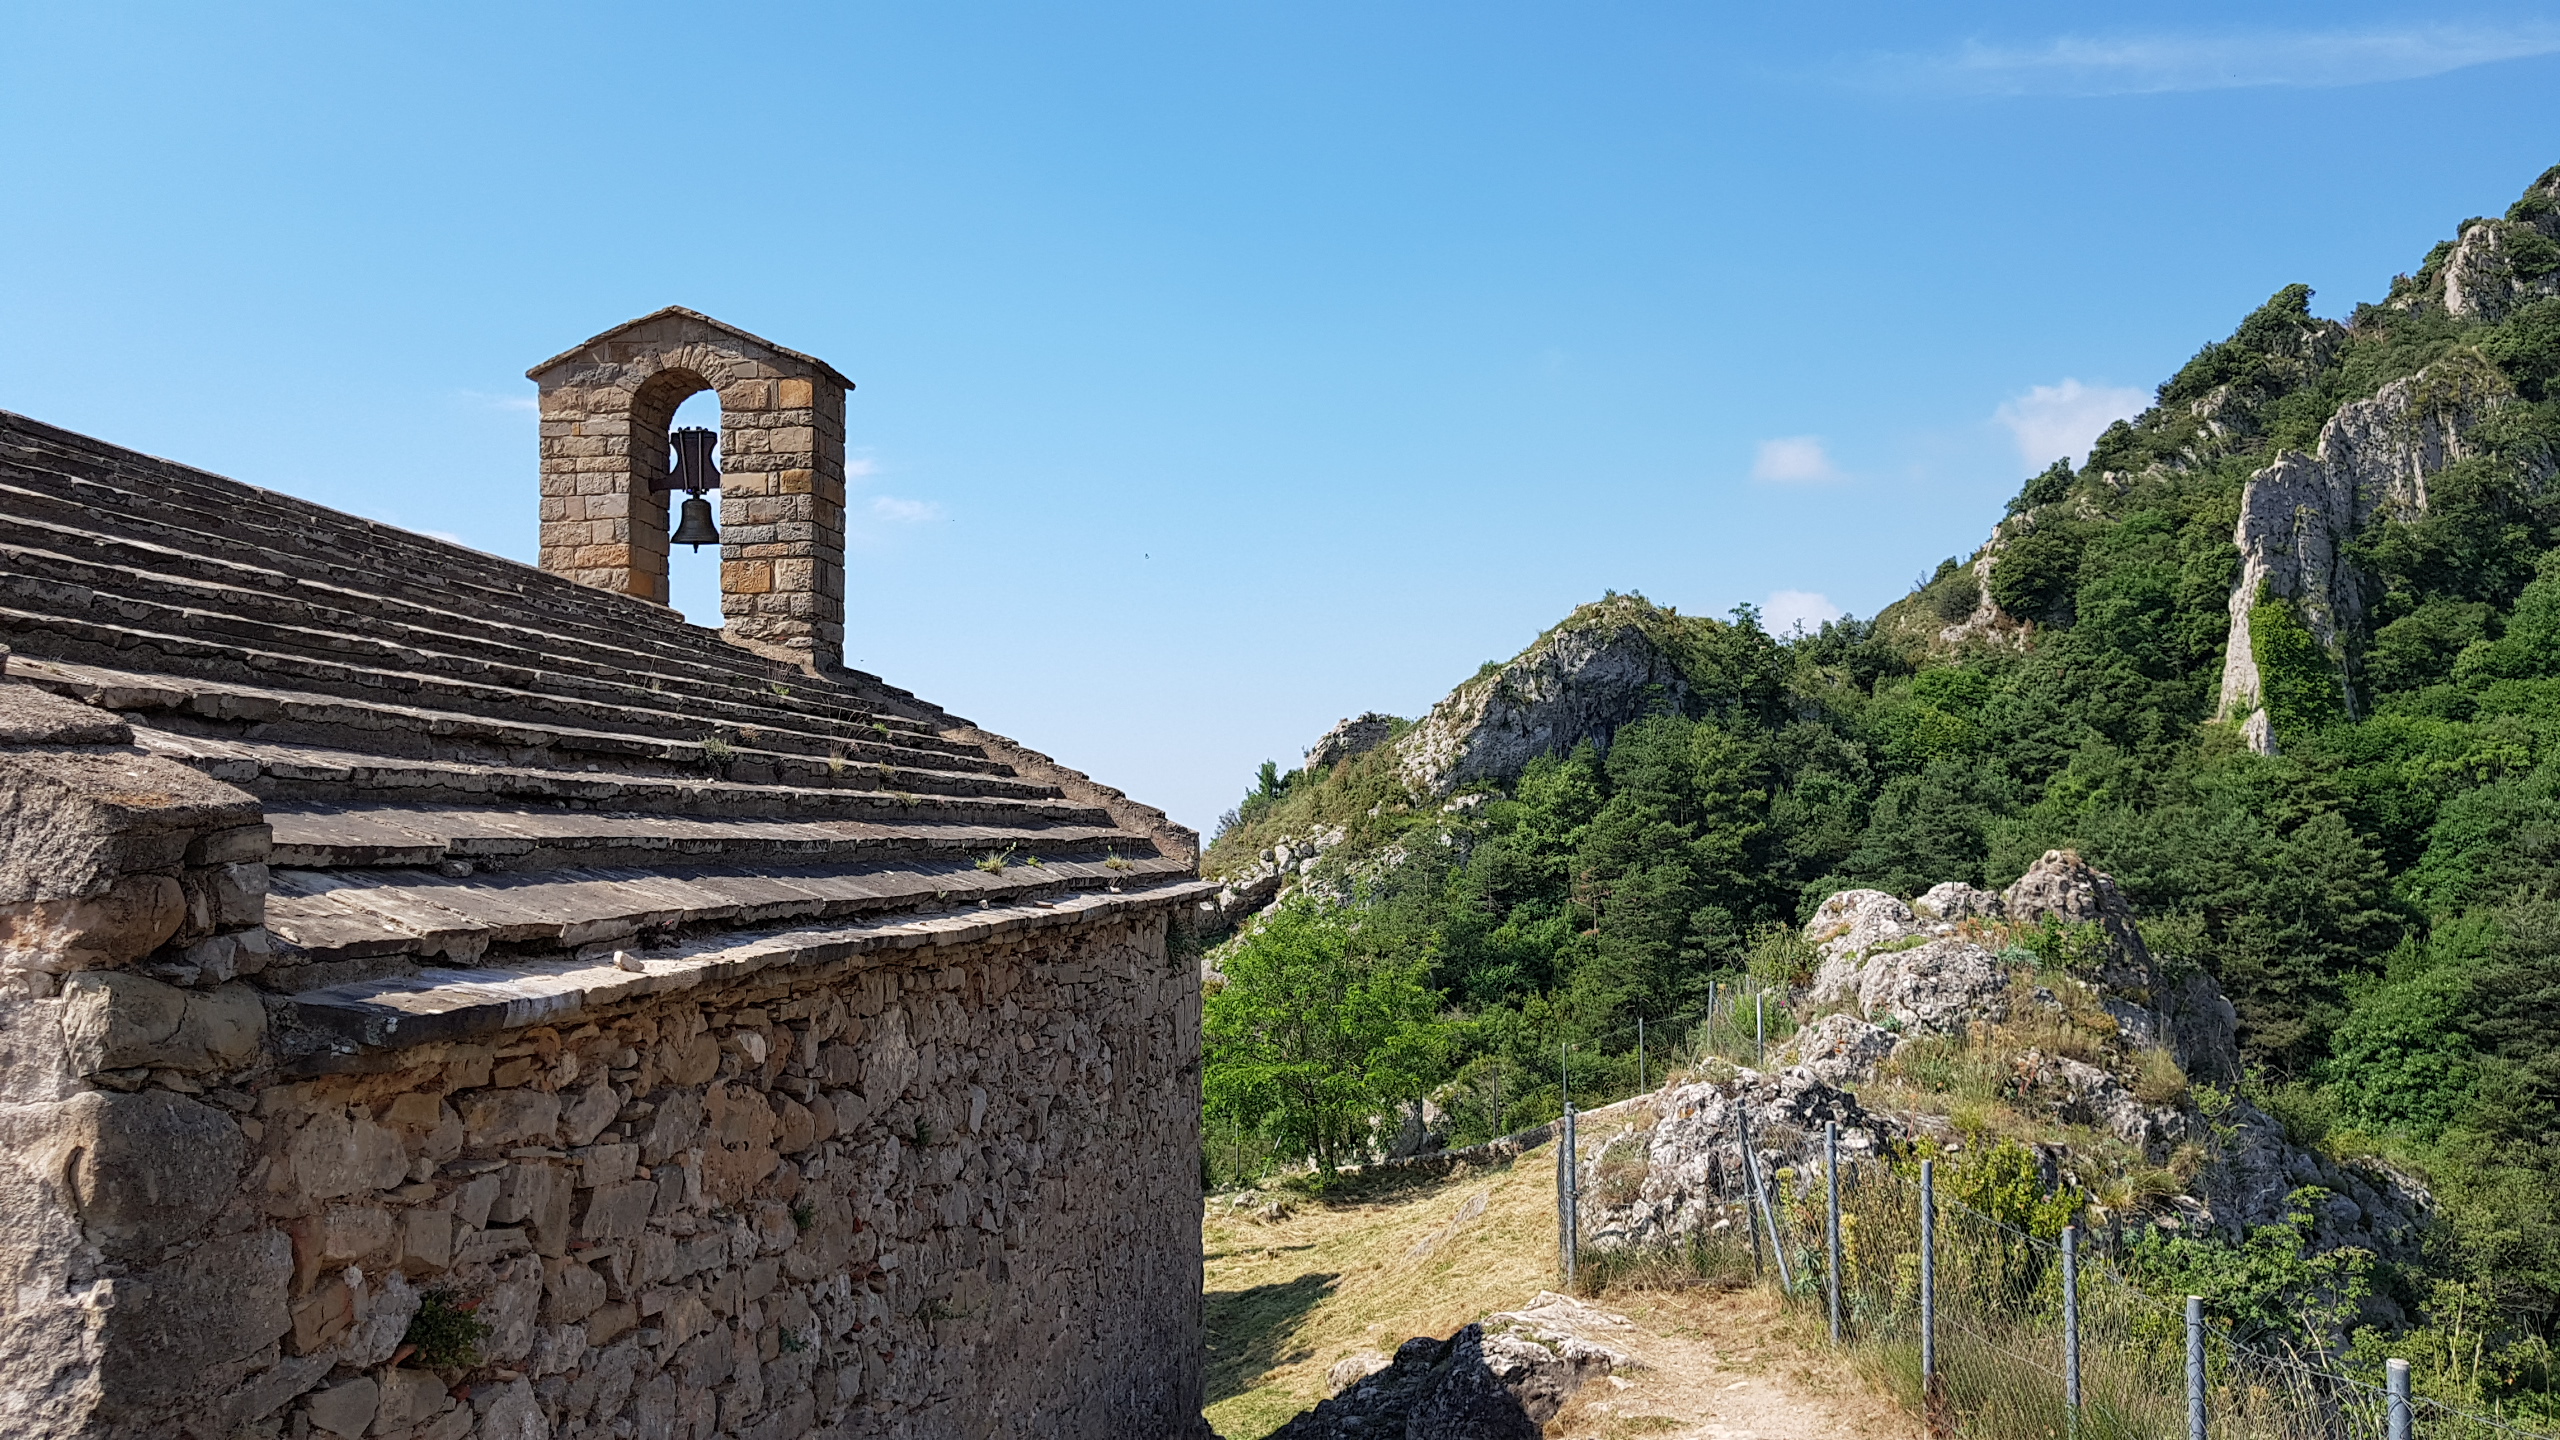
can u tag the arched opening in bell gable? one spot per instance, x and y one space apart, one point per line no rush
693 569
676 555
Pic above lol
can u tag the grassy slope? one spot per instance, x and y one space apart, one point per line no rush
1399 1256
1289 1298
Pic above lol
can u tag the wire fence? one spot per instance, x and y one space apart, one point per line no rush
1987 1330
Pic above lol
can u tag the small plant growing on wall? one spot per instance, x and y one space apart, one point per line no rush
444 1334
995 864
716 750
1115 863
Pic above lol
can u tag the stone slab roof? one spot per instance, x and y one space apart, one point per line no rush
483 780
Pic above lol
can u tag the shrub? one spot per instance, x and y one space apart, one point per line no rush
444 1332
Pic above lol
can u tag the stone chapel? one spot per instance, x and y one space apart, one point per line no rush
449 999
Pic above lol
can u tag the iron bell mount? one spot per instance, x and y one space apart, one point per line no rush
692 471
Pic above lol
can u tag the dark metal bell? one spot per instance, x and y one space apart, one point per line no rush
695 529
692 469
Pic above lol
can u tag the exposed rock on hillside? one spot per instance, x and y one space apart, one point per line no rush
2498 265
1285 863
1651 1185
1600 669
2299 514
1501 1380
1926 968
1944 967
1356 736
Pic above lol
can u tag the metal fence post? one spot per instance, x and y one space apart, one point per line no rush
2195 1368
1831 1171
2071 1328
1641 1087
2396 1385
1768 1215
1759 1028
1572 1201
1742 1127
1568 1172
1928 1285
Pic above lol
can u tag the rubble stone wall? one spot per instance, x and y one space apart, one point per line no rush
946 1191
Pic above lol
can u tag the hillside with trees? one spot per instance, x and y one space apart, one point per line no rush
2282 657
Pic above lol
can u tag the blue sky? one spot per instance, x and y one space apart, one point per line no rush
1229 369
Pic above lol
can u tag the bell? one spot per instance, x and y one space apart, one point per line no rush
695 529
693 469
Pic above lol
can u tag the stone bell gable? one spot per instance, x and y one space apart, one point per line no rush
446 1000
606 406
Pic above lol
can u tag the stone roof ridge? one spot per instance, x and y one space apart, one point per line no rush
680 312
10 419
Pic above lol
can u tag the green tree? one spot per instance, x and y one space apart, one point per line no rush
1323 1024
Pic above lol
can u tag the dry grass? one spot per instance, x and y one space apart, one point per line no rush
1385 1258
1366 1268
2157 1080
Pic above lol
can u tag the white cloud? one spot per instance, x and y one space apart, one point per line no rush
514 404
1793 460
2054 422
861 469
903 512
2132 64
1788 610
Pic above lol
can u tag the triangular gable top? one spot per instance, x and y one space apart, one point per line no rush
723 326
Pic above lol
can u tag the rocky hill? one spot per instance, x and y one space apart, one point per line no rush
2197 830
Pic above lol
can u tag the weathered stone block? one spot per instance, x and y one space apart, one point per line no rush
538 1194
113 1020
571 1291
346 1410
126 922
495 1119
336 1153
151 1168
588 1113
409 1397
211 1308
426 1241
617 1212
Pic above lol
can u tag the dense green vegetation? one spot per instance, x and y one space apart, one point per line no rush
2381 901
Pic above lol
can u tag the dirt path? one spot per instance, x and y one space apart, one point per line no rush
1292 1292
1725 1366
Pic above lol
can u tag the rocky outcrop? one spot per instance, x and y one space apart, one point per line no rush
2077 1093
2299 514
2500 265
1929 967
2187 1015
1839 1049
1943 964
1651 1185
2256 1170
1356 736
1260 883
1600 669
1501 1380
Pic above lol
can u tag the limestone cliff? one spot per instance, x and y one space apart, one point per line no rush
2500 265
2299 514
1606 665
